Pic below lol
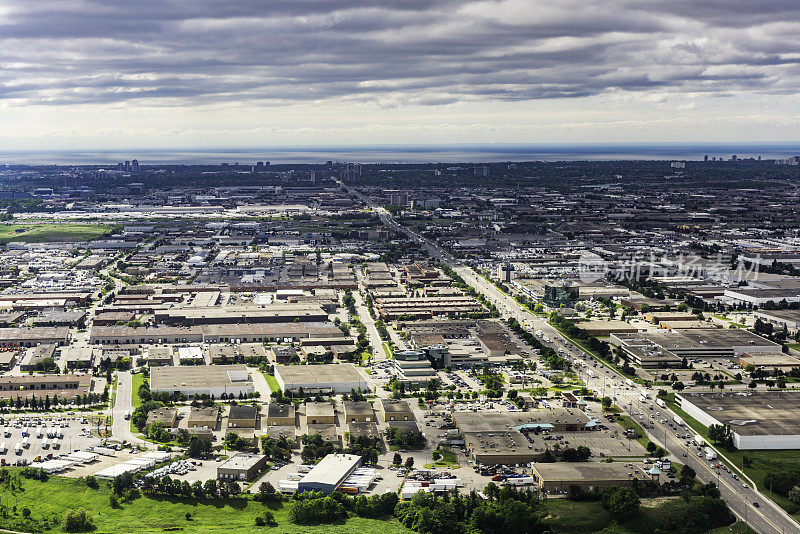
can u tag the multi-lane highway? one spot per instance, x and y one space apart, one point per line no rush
759 512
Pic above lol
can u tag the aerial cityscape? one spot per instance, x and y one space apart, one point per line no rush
444 267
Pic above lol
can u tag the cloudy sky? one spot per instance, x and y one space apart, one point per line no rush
149 73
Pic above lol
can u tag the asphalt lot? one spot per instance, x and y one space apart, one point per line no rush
76 435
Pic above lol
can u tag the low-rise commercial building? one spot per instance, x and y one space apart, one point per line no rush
758 420
42 385
36 335
335 378
559 476
220 381
241 466
329 473
243 416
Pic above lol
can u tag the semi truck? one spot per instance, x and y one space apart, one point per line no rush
629 382
711 454
661 403
699 440
678 421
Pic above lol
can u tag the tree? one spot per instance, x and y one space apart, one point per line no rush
409 462
621 503
606 403
794 495
397 459
77 520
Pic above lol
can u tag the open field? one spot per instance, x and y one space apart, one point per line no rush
48 500
571 517
38 232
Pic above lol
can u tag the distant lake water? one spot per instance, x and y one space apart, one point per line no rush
406 154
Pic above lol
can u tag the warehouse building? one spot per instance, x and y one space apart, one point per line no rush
41 385
559 476
280 414
770 361
217 380
200 417
335 378
241 466
780 319
276 313
701 342
394 410
758 420
320 413
35 355
358 412
329 473
33 336
606 328
243 416
121 335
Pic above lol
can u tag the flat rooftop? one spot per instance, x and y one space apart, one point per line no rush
318 374
196 376
587 471
752 413
332 469
242 461
499 422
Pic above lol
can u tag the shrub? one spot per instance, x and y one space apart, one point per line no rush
91 482
77 520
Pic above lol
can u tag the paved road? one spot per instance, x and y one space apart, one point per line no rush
121 428
768 518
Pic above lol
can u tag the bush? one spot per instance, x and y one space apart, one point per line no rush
316 510
77 520
266 520
91 482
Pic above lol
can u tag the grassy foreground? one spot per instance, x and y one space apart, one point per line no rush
37 232
49 500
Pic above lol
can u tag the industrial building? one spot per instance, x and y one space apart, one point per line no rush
336 378
275 313
41 385
280 414
559 476
329 473
770 360
758 420
216 380
390 410
243 416
37 335
599 328
241 466
696 343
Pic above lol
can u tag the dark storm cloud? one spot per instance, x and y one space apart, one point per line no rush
426 52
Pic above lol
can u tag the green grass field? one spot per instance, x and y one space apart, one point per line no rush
41 232
50 499
272 382
570 517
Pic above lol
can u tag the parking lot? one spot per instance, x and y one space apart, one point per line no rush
26 438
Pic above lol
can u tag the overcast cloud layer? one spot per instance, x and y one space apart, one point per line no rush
327 70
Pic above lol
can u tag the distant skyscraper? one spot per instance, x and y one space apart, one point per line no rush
705 158
127 165
135 165
481 171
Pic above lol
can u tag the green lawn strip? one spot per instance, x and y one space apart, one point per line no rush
387 350
137 379
626 422
49 500
272 382
114 384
